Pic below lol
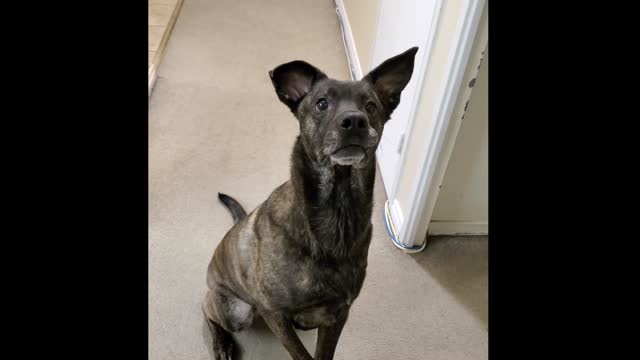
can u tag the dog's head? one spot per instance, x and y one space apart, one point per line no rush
341 122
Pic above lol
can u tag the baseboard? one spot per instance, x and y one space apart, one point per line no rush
152 77
349 42
458 228
163 44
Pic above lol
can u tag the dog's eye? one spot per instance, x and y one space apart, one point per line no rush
371 108
322 105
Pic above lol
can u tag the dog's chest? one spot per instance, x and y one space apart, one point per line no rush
324 292
331 282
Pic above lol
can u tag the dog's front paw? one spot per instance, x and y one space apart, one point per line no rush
223 351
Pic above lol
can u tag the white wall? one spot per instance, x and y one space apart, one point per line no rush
462 204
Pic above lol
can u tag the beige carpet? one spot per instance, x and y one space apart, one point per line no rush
215 124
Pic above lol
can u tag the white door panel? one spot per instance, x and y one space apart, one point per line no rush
402 24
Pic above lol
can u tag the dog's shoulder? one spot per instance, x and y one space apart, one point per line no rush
279 204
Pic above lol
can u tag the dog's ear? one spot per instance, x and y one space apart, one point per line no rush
293 81
391 77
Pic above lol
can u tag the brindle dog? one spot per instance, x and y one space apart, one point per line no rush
299 259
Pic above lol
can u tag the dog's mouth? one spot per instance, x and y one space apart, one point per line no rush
348 155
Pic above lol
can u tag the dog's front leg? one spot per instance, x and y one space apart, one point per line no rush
328 336
283 329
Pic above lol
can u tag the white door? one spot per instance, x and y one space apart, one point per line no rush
402 24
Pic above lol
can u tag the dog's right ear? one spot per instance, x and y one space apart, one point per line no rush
293 81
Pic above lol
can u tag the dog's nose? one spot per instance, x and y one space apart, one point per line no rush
355 123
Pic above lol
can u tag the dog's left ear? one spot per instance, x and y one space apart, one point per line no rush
293 81
391 77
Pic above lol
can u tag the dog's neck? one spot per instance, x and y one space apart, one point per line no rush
336 202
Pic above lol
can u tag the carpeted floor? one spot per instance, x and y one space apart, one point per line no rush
216 125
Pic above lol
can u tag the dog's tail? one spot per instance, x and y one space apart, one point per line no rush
237 211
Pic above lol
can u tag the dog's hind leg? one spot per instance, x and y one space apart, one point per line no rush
223 343
225 313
